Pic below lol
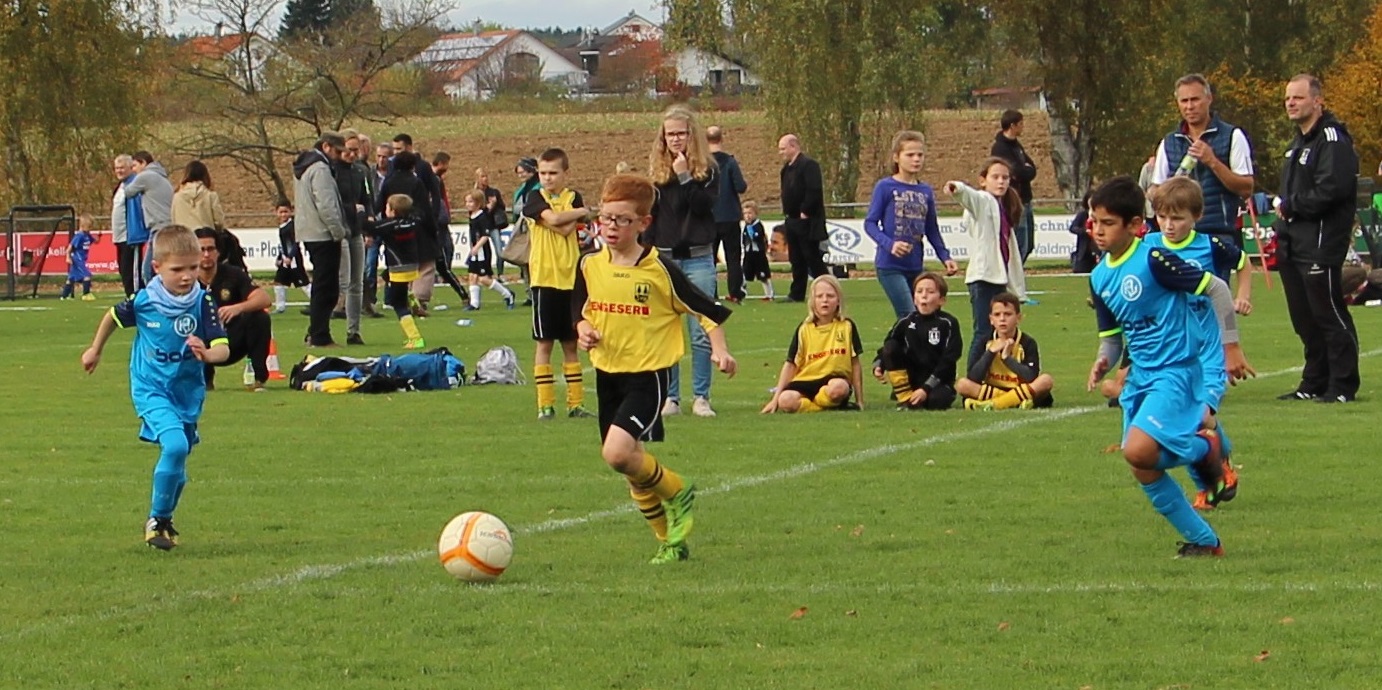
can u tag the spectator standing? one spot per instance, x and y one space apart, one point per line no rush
526 170
803 204
1008 146
148 208
1218 153
683 230
1315 208
901 213
321 227
441 164
354 196
195 204
377 172
728 212
428 208
499 219
119 232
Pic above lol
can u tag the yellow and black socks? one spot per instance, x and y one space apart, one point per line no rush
1013 397
409 326
575 384
546 385
901 383
651 507
653 477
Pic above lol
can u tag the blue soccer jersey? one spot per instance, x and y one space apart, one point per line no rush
164 375
1211 254
77 253
1145 295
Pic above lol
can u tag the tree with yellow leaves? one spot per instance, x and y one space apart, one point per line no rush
1353 90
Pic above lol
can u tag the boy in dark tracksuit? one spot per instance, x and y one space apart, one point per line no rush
399 233
920 353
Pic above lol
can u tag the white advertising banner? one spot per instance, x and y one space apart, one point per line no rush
849 244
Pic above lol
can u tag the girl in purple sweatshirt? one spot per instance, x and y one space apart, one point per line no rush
902 212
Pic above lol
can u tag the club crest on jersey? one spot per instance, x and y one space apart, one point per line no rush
185 325
933 336
641 292
1131 288
225 295
1304 156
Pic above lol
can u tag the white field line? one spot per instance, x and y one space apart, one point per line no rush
325 571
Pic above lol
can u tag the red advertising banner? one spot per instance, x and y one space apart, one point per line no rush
31 256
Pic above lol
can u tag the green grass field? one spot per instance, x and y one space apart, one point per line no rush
928 550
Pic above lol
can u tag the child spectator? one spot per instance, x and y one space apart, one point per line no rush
77 270
627 305
1008 373
480 265
901 213
822 367
919 355
398 233
995 262
177 331
291 270
756 250
553 253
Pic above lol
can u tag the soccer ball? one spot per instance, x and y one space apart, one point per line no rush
475 547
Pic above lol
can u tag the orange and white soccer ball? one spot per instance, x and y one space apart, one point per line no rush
475 547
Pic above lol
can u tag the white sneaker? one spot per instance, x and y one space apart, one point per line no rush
701 407
671 408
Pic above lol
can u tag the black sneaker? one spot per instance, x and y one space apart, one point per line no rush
354 339
305 311
1297 395
1188 550
1334 398
338 315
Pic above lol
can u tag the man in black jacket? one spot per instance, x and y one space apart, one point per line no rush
728 212
1314 228
1007 147
803 204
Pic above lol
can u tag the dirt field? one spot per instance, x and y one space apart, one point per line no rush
957 142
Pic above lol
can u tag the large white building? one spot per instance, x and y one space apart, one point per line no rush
476 66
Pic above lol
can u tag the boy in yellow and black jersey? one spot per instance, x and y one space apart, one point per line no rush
1008 373
555 212
627 306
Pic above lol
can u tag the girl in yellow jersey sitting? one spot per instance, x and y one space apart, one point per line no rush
822 368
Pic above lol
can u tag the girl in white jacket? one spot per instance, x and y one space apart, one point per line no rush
995 262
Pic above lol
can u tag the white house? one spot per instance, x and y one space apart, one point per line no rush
242 58
477 65
701 69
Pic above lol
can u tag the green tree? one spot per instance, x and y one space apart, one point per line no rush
305 17
59 141
1354 91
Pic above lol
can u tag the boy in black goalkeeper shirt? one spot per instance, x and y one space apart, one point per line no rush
919 355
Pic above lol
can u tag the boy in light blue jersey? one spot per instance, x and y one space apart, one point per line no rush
1178 204
177 331
1142 295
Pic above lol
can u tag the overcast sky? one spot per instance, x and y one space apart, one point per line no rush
519 14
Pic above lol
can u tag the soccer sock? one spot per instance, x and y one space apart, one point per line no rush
499 288
1170 501
546 385
1225 446
307 290
1195 477
901 383
67 289
1013 398
659 480
808 406
575 384
651 506
768 289
987 392
86 287
280 297
409 326
475 296
822 400
170 472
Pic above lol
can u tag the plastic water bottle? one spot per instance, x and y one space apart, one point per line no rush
1187 164
249 374
462 322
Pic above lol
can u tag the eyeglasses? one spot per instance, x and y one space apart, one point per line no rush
620 222
676 135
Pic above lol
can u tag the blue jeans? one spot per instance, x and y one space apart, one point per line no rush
1026 232
372 273
701 272
897 285
980 295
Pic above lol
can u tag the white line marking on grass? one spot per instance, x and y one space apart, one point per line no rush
312 573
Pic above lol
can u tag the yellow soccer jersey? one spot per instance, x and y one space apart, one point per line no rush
824 351
1025 352
637 310
551 257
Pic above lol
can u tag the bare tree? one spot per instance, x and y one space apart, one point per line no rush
263 101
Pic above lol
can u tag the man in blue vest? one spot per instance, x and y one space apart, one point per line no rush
1215 153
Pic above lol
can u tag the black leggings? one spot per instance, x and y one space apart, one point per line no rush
444 270
396 296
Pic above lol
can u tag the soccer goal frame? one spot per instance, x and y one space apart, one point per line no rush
29 235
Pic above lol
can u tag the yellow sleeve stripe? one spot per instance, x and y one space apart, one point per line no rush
1204 282
219 341
1111 331
116 319
1242 261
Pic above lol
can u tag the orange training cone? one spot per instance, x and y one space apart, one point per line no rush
275 374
